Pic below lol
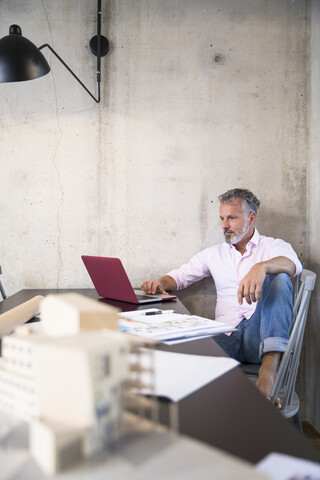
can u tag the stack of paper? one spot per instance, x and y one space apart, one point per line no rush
279 466
166 325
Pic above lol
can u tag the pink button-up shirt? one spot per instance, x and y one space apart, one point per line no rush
227 267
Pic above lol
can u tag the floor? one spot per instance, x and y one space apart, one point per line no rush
311 434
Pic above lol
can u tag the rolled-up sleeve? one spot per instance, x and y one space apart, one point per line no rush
193 271
280 248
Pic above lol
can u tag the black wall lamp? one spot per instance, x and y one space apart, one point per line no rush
21 60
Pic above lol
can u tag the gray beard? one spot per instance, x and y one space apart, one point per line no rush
239 236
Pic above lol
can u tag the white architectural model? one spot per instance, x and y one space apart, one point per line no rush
66 376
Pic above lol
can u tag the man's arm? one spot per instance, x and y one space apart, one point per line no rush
196 269
159 286
250 286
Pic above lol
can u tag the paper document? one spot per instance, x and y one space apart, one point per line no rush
176 341
164 325
284 467
177 375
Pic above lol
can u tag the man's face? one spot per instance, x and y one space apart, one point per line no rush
235 223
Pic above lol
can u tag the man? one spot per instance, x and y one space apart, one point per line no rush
254 292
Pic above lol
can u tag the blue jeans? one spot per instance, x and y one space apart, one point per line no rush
267 330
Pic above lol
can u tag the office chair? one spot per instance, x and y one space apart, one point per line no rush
3 294
284 385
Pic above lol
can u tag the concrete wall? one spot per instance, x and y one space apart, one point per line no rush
313 331
197 97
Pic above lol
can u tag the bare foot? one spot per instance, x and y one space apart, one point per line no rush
267 375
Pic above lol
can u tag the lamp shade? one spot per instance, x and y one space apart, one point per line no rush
20 59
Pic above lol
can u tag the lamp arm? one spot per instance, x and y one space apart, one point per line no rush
97 100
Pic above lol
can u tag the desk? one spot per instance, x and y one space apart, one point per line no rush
228 413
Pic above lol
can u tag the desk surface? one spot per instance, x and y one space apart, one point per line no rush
228 413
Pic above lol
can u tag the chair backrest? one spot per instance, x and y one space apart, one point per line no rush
3 294
287 373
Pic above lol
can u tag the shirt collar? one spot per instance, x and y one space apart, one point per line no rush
255 238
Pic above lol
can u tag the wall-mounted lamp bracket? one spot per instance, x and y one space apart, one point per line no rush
93 45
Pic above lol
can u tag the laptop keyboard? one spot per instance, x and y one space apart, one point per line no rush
143 297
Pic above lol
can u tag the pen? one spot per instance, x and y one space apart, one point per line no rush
158 312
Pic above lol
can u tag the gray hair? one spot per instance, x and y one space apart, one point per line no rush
250 202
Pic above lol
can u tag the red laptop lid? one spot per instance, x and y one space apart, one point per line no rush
109 278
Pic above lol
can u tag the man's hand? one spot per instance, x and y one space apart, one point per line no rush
153 286
250 286
159 286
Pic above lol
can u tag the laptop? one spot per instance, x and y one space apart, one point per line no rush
111 281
